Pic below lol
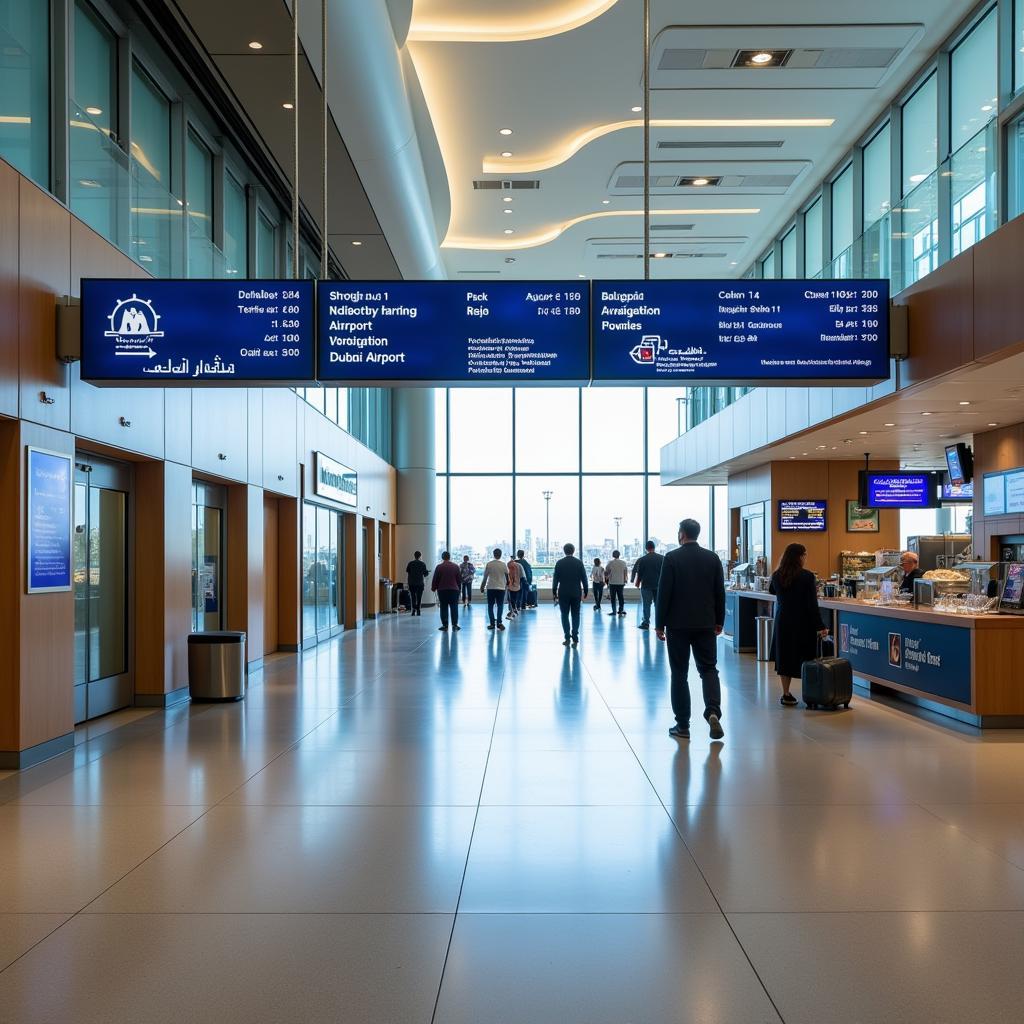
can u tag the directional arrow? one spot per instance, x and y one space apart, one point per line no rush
142 352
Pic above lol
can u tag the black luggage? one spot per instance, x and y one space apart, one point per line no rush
827 682
531 596
405 599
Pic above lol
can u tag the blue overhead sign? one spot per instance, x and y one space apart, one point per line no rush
435 332
740 331
166 332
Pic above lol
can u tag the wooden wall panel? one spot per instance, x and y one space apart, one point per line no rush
994 451
9 235
271 570
10 584
998 296
44 246
941 321
289 574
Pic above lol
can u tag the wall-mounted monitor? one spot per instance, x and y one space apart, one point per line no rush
993 501
959 463
802 517
954 494
899 489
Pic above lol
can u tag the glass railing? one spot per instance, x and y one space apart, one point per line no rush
121 200
972 174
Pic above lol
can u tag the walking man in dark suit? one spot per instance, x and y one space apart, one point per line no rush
689 612
569 588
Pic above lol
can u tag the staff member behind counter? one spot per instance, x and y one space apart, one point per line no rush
909 564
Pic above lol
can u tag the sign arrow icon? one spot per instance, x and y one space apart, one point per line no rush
142 352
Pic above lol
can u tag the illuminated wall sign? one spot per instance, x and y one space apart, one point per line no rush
900 490
335 481
740 331
802 516
162 333
455 332
49 521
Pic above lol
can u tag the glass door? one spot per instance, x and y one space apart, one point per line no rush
209 518
102 681
321 560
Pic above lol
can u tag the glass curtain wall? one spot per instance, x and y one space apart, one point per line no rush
25 87
536 468
842 223
920 207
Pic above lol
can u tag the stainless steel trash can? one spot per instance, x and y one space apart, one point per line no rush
765 633
386 608
216 665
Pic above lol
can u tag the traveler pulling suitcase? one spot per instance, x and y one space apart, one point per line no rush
827 682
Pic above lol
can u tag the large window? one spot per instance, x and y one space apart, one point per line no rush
768 266
974 82
613 429
547 429
920 135
480 434
613 517
199 192
877 165
236 228
842 218
480 516
789 254
266 245
25 87
1018 44
155 212
668 505
547 517
813 257
666 420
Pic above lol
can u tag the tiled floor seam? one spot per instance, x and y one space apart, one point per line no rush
675 826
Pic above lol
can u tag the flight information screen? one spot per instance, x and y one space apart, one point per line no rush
740 331
167 332
454 332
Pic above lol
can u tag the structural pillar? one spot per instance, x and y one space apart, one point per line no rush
413 429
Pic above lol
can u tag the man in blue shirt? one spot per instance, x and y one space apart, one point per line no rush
569 589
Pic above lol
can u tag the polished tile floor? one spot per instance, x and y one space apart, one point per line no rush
409 826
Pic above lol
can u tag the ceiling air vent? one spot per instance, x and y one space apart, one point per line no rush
857 57
479 273
671 227
656 181
724 144
507 184
768 180
666 256
681 60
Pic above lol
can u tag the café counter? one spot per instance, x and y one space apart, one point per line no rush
969 667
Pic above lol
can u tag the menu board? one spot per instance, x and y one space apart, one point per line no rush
1015 492
186 333
953 493
994 499
49 521
454 332
802 516
740 331
901 490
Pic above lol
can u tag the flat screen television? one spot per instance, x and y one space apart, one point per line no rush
803 516
960 463
899 489
953 494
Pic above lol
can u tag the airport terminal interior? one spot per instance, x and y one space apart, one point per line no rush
373 374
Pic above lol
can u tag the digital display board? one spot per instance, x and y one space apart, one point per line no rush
959 463
1013 590
802 517
50 482
1014 492
740 331
163 333
455 332
900 490
994 496
952 493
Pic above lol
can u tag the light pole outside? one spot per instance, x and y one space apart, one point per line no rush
547 523
618 522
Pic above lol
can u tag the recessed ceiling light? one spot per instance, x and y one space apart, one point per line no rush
357 243
987 107
792 456
863 433
288 106
965 403
506 199
993 424
89 183
918 178
605 202
506 152
733 263
94 111
508 231
581 275
659 255
821 447
700 182
636 110
507 209
255 45
510 259
504 131
926 414
761 58
888 424
804 453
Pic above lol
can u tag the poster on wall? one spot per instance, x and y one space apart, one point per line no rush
861 520
208 582
50 483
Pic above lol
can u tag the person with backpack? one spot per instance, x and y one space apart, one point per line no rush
515 584
467 571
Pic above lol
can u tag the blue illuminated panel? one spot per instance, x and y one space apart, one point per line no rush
455 332
901 490
165 332
740 331
802 517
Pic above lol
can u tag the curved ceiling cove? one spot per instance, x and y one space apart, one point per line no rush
570 146
551 233
462 21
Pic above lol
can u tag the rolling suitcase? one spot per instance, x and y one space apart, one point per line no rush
531 596
827 682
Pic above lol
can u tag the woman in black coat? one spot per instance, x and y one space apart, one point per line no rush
798 622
